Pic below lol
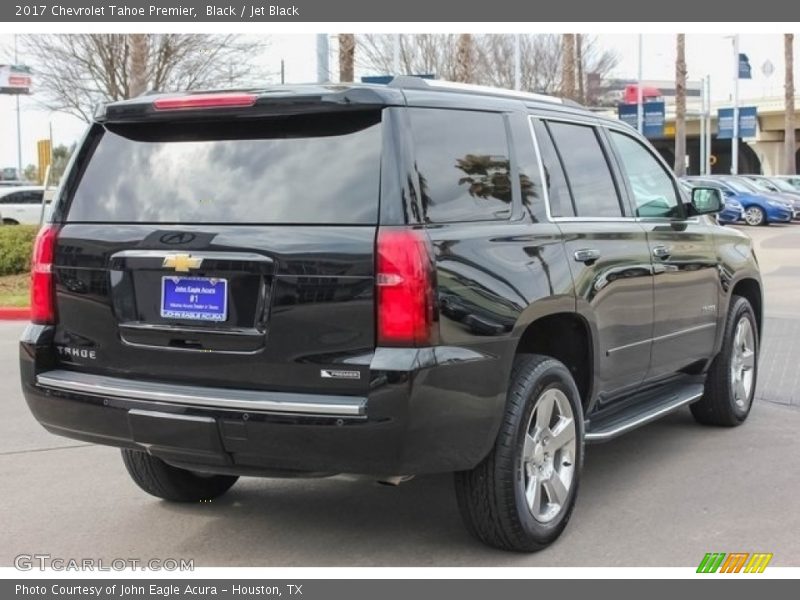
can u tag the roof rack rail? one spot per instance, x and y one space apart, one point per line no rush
409 82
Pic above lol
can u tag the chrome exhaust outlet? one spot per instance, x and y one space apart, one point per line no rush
395 480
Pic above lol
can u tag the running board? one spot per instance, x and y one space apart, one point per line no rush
652 406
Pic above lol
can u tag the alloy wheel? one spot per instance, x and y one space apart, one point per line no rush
743 362
753 216
548 455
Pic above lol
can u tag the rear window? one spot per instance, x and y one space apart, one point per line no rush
314 169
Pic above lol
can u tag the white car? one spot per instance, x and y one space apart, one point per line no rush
21 205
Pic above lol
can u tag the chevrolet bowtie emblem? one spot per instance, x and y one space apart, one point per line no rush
182 262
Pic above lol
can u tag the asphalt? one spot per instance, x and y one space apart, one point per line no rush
663 495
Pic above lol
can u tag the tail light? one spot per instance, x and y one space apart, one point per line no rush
225 100
405 289
43 300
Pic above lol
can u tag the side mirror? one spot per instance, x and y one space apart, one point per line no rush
706 201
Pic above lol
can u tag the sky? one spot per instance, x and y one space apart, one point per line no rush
706 54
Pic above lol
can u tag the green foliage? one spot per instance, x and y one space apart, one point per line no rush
16 245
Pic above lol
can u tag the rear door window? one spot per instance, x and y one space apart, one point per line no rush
464 164
588 175
310 169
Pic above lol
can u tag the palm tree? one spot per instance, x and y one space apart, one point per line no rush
568 66
347 56
790 165
680 106
138 63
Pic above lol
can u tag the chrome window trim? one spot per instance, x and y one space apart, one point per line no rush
621 128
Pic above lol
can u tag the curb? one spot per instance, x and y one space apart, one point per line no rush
15 313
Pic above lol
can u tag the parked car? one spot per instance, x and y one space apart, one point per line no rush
21 205
733 210
760 208
793 180
782 191
382 280
773 184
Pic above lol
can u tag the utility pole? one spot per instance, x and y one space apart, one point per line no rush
735 138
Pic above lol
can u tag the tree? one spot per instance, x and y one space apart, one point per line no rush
465 59
790 141
492 59
31 173
61 156
76 72
139 51
347 55
680 106
568 67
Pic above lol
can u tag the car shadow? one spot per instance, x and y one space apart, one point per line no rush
347 520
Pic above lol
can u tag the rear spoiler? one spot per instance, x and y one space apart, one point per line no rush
248 103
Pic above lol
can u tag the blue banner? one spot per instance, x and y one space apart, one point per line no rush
748 122
745 70
653 117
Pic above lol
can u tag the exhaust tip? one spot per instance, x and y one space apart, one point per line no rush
395 480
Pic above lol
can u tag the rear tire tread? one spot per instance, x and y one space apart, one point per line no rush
486 493
715 407
159 479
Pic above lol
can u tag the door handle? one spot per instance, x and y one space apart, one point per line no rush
661 251
586 255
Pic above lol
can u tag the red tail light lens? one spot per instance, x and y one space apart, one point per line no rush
235 100
43 300
405 289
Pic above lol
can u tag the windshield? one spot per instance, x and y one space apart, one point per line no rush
743 187
783 185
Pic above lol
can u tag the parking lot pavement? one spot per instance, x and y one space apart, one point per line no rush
663 495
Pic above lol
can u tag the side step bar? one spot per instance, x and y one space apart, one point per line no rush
203 397
660 403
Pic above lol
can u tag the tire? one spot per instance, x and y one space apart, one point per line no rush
755 216
492 497
732 377
158 478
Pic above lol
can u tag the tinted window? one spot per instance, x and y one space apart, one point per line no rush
463 163
22 198
653 189
558 192
33 197
588 175
309 169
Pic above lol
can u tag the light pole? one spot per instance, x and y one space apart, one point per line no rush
735 138
19 122
640 94
323 68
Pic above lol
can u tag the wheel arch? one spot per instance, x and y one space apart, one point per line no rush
568 337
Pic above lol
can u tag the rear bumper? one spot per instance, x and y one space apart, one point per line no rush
428 410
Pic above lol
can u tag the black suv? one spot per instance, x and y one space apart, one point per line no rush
384 280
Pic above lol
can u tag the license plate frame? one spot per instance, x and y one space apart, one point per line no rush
194 303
